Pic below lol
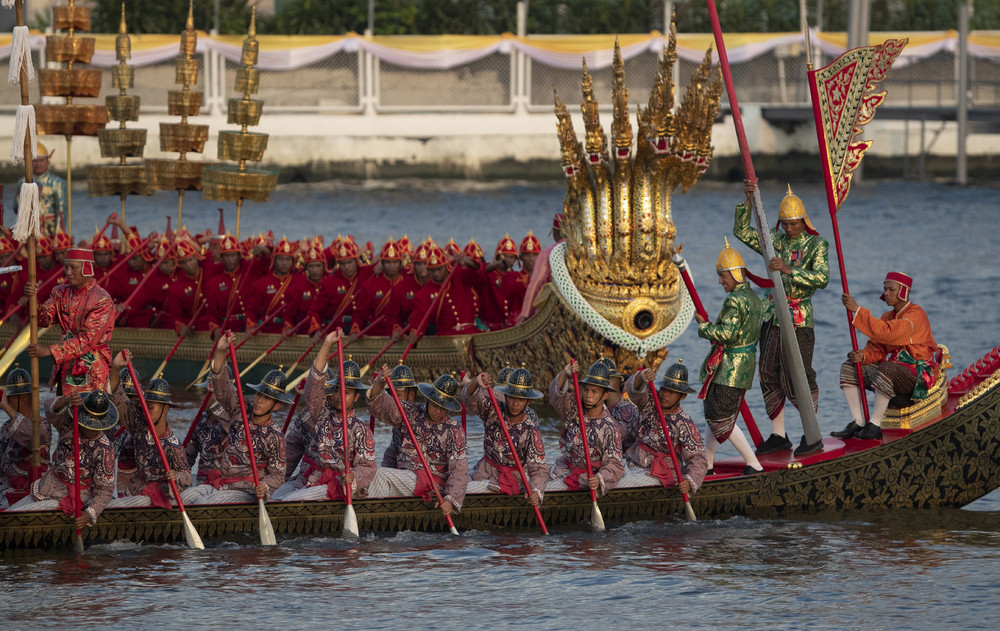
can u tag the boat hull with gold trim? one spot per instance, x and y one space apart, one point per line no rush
950 462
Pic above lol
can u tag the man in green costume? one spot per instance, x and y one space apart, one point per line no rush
802 257
728 370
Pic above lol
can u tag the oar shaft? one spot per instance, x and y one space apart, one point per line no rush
76 464
583 433
343 419
142 283
416 447
153 435
291 411
386 348
668 439
107 277
515 456
243 414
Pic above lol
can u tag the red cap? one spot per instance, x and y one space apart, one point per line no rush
904 280
84 256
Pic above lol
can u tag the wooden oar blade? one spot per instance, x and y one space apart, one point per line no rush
292 385
291 369
267 537
201 373
78 543
351 523
190 534
243 373
689 512
454 530
596 519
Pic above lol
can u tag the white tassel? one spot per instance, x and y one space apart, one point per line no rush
9 4
20 53
29 213
24 125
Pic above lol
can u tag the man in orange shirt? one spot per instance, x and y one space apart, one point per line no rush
898 358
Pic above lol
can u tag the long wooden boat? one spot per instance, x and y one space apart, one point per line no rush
947 460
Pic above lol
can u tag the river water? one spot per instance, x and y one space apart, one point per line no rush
883 570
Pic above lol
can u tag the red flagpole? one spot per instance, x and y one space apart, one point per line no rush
832 204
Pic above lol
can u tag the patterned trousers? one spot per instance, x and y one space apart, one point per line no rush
775 381
722 404
888 378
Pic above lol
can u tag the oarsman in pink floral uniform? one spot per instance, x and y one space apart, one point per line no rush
208 443
441 440
97 475
625 413
650 452
406 388
321 475
603 438
497 471
151 484
235 481
87 316
15 438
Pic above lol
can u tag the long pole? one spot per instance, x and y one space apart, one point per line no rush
295 382
197 417
810 425
673 453
350 518
284 336
145 279
751 424
382 352
267 537
163 364
78 537
291 410
420 452
831 202
596 519
190 534
517 459
35 471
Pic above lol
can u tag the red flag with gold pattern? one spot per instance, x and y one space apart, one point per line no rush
845 97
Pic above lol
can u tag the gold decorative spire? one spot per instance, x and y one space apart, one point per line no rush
619 229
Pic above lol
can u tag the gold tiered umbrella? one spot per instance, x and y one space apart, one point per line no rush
181 174
121 179
231 183
70 119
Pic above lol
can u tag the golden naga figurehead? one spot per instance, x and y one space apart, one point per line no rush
618 227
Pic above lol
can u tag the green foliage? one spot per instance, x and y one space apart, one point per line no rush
169 16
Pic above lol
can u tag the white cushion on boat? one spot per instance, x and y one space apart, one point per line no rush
392 483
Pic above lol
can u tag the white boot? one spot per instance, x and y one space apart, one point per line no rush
739 441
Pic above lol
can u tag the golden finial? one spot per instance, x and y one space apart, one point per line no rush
121 26
281 367
597 141
621 128
190 20
789 190
253 20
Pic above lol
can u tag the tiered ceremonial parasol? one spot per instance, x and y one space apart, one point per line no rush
70 119
231 183
121 179
181 174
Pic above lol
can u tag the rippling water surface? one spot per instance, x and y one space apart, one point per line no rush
883 570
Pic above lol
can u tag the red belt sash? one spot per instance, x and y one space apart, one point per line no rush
215 478
508 481
573 479
332 478
424 488
661 467
154 491
68 504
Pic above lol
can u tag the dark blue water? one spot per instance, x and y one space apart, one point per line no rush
883 570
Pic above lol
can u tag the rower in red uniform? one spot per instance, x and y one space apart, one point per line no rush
144 309
104 256
541 274
46 269
515 284
416 278
225 292
382 296
454 313
269 295
338 291
124 281
474 253
185 296
493 306
305 287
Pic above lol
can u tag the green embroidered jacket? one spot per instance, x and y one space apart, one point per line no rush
737 329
